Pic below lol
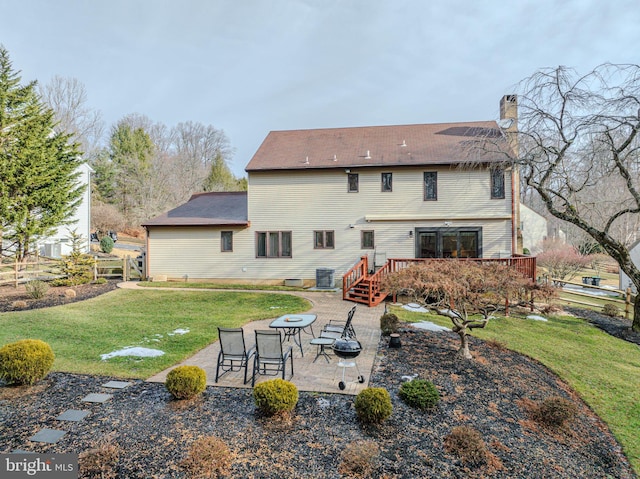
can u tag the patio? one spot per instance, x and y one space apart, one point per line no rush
308 376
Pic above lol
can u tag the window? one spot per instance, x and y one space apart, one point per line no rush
226 241
353 182
323 240
387 182
430 185
367 240
273 244
449 242
497 183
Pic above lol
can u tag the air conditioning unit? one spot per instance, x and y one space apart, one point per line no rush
325 278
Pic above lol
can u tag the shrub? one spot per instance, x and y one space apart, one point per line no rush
19 304
373 405
208 457
70 293
275 396
611 310
26 361
100 281
186 382
99 462
106 244
389 323
419 393
555 411
36 289
466 443
359 458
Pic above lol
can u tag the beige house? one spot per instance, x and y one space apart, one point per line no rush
319 200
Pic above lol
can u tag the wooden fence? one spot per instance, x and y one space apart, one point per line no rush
47 270
624 297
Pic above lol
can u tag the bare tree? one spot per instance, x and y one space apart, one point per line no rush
67 97
576 144
460 290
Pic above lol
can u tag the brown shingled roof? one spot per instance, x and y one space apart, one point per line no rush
207 209
401 145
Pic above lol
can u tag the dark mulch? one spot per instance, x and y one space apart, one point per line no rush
55 295
494 394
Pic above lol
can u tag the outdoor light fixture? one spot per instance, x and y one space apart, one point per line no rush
410 233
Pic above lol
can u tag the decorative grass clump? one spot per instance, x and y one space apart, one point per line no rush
373 405
208 456
611 310
26 361
275 396
555 411
358 459
36 289
467 443
186 382
419 393
389 323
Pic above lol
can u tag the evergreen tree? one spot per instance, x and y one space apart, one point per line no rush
221 178
39 187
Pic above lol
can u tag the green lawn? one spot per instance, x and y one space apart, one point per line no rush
205 285
80 332
604 370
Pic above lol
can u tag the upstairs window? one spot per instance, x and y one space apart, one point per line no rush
273 244
352 180
323 240
430 186
387 179
226 241
497 183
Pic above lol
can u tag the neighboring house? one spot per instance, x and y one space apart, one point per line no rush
625 282
322 199
58 243
533 228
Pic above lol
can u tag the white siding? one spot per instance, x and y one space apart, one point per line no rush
305 201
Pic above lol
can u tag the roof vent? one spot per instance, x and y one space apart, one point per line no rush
368 157
335 158
404 144
306 161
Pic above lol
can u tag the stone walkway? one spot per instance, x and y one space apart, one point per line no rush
308 376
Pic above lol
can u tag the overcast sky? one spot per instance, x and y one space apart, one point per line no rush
252 66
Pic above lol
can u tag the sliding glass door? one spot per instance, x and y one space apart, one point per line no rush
449 242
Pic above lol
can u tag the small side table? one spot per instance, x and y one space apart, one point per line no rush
322 343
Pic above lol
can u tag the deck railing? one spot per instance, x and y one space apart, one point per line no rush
526 265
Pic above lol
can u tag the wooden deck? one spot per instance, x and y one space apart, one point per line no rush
308 376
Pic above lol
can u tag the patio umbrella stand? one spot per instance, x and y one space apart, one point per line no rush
346 348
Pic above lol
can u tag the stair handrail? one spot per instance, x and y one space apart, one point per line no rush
355 275
375 279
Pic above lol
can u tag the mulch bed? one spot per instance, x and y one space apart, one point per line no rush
494 394
55 295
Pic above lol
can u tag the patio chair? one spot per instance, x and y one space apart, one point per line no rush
233 354
340 329
270 358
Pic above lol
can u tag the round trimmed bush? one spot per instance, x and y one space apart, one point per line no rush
389 323
419 393
275 396
106 244
467 443
373 405
26 361
186 382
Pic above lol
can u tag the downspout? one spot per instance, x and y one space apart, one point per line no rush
146 255
514 229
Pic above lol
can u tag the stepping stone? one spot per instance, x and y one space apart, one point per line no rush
116 384
48 435
97 397
20 451
72 415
